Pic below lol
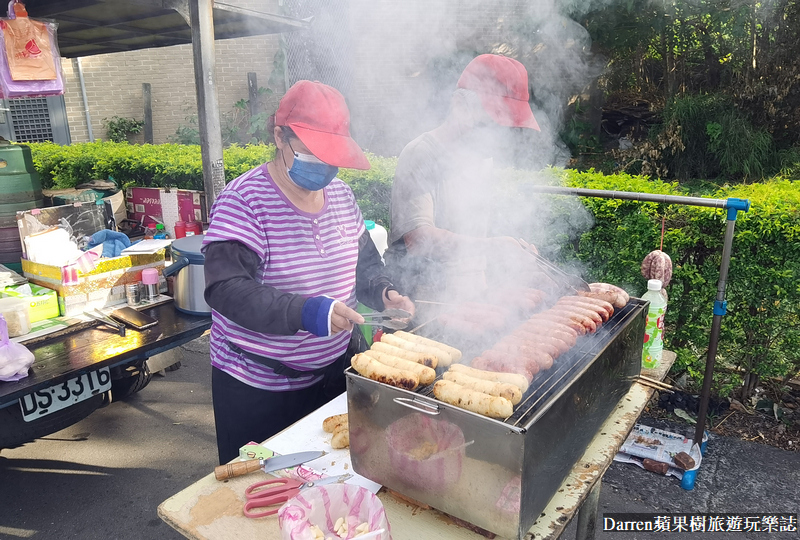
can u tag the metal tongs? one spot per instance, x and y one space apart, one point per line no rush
98 315
394 319
569 281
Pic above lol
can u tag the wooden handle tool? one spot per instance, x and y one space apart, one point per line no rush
232 470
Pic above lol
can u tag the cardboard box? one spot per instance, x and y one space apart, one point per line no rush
43 302
162 205
84 219
102 287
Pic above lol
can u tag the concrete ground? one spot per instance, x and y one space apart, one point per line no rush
104 477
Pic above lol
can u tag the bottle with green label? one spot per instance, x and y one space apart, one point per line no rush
654 328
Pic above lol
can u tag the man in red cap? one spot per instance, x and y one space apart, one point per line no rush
287 256
438 241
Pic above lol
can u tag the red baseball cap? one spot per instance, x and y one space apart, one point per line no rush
318 115
502 84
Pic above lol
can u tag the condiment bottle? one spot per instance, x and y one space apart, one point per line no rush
180 229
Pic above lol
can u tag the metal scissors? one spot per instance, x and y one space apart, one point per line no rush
271 494
390 318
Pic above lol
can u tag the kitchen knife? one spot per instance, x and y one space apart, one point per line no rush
555 273
239 468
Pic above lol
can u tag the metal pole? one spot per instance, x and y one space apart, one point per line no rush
631 196
85 100
720 308
202 22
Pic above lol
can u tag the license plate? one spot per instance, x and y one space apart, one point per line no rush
49 400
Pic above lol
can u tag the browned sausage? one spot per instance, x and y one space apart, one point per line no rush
540 325
604 309
586 312
552 317
502 366
527 355
567 337
587 323
534 345
622 296
608 296
536 339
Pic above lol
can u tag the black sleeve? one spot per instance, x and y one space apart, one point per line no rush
232 290
371 278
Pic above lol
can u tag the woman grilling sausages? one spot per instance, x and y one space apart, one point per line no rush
286 254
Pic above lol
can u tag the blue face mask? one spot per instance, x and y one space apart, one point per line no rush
310 173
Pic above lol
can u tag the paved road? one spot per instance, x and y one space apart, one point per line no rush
104 477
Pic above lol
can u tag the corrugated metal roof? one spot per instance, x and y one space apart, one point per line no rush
89 27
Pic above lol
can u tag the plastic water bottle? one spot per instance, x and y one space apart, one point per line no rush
654 328
379 236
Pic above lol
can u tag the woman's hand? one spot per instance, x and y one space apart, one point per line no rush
394 300
343 318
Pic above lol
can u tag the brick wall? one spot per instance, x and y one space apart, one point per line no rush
114 81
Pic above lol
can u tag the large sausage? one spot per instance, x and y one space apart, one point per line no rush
429 360
540 325
508 391
559 333
454 353
471 400
444 359
552 339
499 361
585 310
508 378
426 375
604 309
608 296
576 316
552 317
622 297
530 343
372 369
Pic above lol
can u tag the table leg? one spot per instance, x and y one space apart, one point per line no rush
587 515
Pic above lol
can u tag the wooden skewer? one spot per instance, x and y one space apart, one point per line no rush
653 386
656 381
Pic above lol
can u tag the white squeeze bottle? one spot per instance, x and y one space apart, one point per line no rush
654 327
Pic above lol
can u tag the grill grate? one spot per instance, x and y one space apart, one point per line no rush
565 368
31 119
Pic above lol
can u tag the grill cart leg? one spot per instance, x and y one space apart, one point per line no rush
587 515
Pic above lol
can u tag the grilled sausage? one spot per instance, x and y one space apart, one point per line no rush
607 296
478 402
540 325
444 359
330 423
494 376
530 344
426 375
341 436
454 353
551 317
429 360
568 337
604 309
505 366
576 316
532 359
622 296
560 345
585 310
508 391
454 323
372 369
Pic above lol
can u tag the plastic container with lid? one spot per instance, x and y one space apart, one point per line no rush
160 232
193 228
15 311
180 229
379 236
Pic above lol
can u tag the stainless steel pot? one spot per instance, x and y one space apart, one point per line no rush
190 282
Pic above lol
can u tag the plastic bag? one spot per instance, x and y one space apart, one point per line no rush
15 359
322 506
30 62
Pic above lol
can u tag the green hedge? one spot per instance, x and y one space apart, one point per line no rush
606 239
140 165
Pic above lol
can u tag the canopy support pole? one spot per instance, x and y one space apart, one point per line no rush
202 23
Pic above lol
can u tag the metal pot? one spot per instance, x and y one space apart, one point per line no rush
190 281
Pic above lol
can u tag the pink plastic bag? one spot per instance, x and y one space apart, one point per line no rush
15 359
322 506
30 62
